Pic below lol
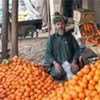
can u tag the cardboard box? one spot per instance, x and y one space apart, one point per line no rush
84 16
96 49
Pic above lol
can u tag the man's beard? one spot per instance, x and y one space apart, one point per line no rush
60 32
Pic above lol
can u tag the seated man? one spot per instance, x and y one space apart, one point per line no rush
62 50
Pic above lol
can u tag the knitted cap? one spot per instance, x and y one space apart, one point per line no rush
59 18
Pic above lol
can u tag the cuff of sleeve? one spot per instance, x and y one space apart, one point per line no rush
75 58
51 60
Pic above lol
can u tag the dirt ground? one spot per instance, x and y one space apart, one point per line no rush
32 49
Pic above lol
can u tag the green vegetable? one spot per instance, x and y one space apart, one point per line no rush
6 61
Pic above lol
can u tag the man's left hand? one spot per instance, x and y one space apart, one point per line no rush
74 67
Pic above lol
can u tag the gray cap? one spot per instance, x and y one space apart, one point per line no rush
59 18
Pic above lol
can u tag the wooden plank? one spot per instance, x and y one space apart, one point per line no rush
30 22
37 23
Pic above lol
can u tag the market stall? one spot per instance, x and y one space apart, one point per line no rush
86 28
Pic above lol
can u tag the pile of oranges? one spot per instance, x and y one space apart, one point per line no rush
91 34
93 40
83 86
88 29
24 80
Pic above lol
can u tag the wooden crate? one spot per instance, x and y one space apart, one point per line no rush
84 16
89 32
88 28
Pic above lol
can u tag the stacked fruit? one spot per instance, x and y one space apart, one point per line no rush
22 80
91 34
88 29
93 40
83 86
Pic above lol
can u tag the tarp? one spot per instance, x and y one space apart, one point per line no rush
37 9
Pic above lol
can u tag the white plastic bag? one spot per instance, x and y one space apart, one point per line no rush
66 66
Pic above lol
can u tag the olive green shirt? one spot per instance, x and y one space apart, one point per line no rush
68 48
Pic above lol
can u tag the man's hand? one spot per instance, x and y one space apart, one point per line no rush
57 67
74 67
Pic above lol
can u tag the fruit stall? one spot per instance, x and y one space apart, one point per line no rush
24 80
86 28
92 36
21 79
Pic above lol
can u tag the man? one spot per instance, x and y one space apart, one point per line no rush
61 49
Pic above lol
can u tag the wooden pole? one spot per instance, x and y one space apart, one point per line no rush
48 9
14 28
61 10
62 6
5 19
52 10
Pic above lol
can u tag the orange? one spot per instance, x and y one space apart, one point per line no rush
84 79
73 82
97 63
94 93
78 89
83 84
91 87
80 74
91 73
97 87
86 69
75 77
88 98
97 72
89 77
97 97
96 78
77 99
81 95
74 94
68 97
88 92
92 82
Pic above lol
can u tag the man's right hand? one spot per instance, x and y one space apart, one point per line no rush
57 67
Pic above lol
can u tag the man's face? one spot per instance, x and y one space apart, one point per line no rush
60 27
